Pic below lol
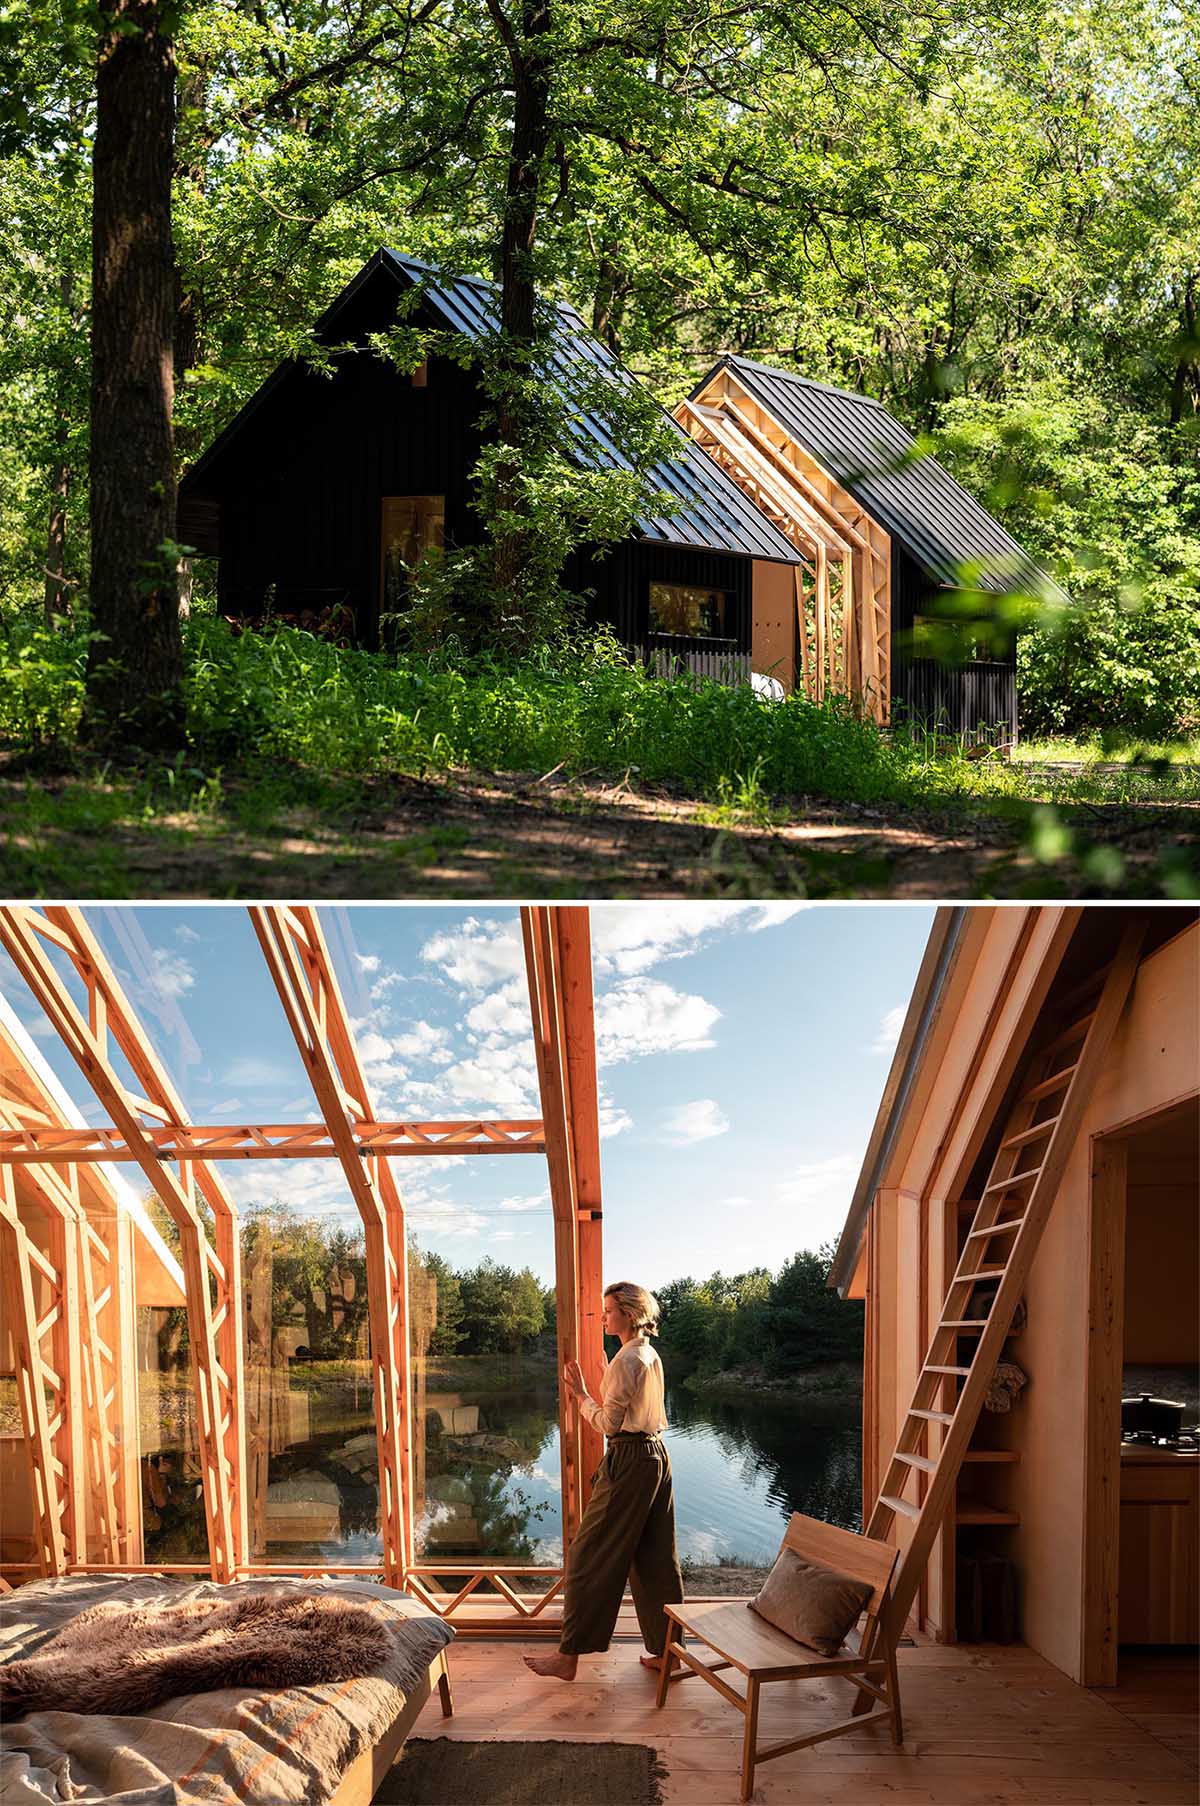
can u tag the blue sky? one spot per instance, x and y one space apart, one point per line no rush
742 1052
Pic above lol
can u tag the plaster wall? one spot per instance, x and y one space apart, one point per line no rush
774 621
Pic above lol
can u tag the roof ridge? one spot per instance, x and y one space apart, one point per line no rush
810 382
483 282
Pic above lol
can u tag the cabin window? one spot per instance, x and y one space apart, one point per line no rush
683 609
952 642
414 530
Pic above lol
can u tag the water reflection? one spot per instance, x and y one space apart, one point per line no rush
487 1479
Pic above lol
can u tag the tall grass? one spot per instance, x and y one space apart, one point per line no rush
283 699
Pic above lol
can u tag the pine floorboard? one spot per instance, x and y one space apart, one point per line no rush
984 1726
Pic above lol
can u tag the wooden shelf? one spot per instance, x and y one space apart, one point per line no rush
992 1455
983 1514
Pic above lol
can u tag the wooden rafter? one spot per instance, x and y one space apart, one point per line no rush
267 1141
850 648
299 962
216 1324
79 1290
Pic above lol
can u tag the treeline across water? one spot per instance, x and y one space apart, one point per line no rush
315 1274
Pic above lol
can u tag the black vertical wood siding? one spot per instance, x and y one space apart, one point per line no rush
300 490
976 700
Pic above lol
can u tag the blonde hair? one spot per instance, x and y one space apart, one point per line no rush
639 1305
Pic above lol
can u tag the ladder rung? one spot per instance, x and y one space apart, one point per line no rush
900 1505
933 1416
982 1273
922 1461
1030 1172
930 1367
963 1323
1065 1036
981 1235
1058 1081
1039 1128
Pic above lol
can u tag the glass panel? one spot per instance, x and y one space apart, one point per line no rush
698 613
173 1521
312 1460
414 527
484 1372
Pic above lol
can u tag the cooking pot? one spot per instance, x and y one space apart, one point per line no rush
1146 1416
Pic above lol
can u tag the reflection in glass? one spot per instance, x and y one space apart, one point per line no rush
312 1461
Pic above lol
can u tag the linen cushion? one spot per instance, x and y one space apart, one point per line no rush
813 1604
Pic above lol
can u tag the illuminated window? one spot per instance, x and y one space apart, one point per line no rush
414 529
677 608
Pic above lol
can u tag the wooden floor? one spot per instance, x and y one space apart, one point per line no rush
985 1726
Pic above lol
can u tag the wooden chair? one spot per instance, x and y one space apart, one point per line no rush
761 1653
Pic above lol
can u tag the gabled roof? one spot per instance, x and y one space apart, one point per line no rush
943 529
713 515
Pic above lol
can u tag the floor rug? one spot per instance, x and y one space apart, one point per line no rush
443 1771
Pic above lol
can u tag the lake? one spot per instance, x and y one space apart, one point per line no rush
489 1483
740 1470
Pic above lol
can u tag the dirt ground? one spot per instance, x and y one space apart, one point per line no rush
467 835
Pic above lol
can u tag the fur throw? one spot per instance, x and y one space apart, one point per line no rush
112 1659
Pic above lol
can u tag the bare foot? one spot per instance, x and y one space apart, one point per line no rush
649 1661
559 1667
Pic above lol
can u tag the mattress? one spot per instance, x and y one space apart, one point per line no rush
229 1747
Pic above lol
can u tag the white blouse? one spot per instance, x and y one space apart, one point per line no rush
631 1392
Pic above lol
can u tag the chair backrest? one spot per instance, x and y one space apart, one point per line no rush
861 1557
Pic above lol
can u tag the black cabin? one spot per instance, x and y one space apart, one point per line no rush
324 490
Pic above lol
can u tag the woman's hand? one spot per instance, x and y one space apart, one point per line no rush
573 1374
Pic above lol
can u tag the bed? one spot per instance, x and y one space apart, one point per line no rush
327 1745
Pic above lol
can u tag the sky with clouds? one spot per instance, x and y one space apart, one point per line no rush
742 1049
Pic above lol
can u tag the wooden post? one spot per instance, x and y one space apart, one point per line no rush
1102 1454
575 949
298 960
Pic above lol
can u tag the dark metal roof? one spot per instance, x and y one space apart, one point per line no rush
946 532
713 513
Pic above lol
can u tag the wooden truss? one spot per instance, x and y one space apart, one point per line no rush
63 1298
843 591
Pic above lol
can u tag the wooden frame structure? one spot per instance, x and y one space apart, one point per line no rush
1039 1041
843 591
57 1298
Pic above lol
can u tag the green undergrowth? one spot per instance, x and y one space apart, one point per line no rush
286 702
291 736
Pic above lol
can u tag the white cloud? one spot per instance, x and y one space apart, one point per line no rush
478 955
186 934
697 1121
424 1041
173 975
613 1119
501 1013
498 1080
820 1192
888 1032
372 1047
629 938
252 1073
644 1016
527 1201
367 962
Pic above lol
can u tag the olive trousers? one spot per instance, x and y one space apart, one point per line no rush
627 1533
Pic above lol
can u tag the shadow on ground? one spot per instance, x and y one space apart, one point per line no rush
470 835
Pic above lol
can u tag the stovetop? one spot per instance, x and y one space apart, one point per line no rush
1187 1442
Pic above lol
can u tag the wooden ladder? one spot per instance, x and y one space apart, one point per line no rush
1014 1206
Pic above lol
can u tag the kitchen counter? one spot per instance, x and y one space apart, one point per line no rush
1160 1545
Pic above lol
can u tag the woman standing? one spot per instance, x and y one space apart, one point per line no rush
628 1529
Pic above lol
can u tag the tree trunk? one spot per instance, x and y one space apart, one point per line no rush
134 681
530 138
58 599
57 591
1187 368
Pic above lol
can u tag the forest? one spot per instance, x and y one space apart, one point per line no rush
983 216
